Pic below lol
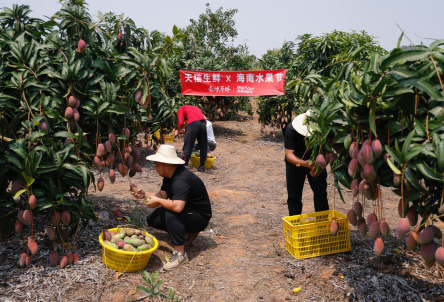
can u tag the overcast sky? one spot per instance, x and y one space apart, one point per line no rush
266 25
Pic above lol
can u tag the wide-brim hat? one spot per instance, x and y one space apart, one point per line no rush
166 154
299 123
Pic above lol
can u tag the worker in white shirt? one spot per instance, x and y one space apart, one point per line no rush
210 136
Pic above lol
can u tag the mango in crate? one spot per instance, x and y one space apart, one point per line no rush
136 242
110 244
144 247
149 240
129 248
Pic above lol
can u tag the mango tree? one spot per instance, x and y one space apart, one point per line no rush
309 63
74 94
386 120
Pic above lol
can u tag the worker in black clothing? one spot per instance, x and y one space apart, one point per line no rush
297 161
182 206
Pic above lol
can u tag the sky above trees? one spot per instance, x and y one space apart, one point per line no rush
264 25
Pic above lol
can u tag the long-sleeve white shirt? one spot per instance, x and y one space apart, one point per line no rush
210 133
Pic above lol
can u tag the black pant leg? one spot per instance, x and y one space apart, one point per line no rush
176 224
176 227
295 185
193 221
202 140
319 186
157 219
188 141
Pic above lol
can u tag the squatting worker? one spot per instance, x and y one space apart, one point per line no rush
210 137
183 208
196 128
298 168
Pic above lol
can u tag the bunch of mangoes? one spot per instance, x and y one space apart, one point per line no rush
424 237
129 240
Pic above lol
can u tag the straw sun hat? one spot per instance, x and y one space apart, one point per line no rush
299 123
166 154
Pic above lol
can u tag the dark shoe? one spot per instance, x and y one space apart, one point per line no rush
201 169
189 238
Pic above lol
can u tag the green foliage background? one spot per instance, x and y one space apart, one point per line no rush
356 87
41 67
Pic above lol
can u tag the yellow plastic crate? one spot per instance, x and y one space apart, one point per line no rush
169 137
308 235
195 161
123 261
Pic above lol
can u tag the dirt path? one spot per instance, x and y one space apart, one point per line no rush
241 256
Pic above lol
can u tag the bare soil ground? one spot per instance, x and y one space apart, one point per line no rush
241 256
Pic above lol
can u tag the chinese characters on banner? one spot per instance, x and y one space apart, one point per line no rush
233 83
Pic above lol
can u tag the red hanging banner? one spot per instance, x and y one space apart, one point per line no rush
233 83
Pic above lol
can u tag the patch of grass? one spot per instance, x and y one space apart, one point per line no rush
239 132
244 141
138 218
276 250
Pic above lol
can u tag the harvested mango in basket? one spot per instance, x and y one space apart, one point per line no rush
130 240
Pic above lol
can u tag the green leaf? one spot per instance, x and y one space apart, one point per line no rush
145 91
65 134
405 56
102 107
46 168
18 147
435 44
413 152
14 160
425 85
175 30
35 135
343 178
84 173
315 127
410 196
414 181
371 121
399 40
403 71
393 154
426 171
29 180
80 136
420 128
143 289
19 193
392 166
380 87
165 66
441 156
406 146
374 66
